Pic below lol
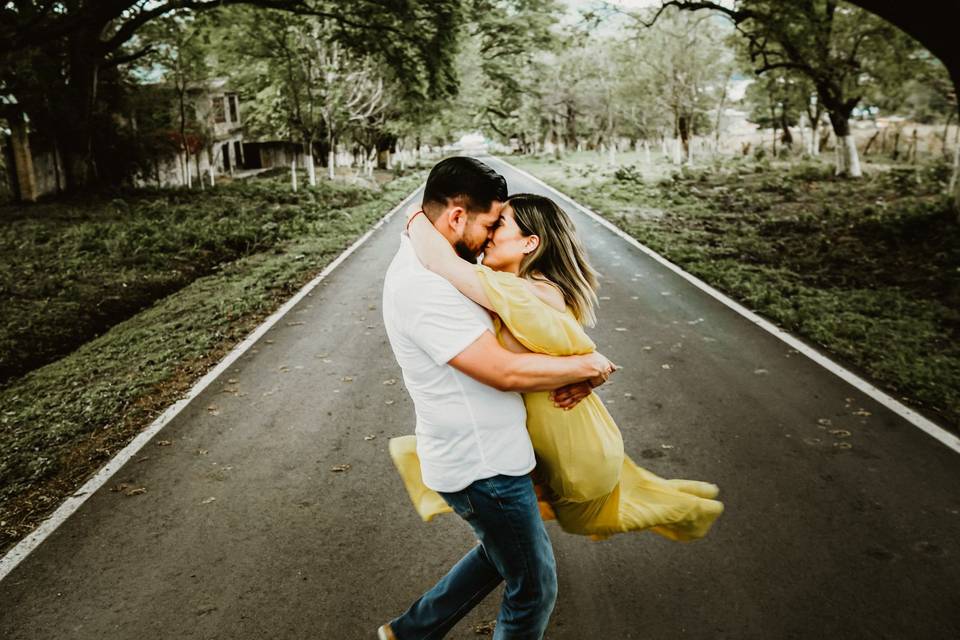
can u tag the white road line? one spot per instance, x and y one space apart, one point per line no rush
18 553
908 414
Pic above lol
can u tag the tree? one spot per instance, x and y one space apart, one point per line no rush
685 57
776 102
176 43
835 45
54 55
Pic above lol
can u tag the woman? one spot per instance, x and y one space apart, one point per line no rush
536 279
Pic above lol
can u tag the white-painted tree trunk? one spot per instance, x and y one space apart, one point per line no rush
955 181
613 155
815 138
311 170
331 164
677 150
646 153
293 174
848 160
186 164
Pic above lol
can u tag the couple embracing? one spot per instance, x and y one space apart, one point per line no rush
509 433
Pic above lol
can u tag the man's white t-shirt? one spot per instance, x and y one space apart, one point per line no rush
465 429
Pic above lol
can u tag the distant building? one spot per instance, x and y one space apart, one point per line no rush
31 167
219 150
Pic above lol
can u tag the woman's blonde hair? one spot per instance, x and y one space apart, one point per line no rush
559 257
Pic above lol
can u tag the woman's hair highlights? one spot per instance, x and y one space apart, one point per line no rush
559 257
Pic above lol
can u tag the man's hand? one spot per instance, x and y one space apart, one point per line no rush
602 366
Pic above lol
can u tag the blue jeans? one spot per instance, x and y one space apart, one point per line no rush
514 546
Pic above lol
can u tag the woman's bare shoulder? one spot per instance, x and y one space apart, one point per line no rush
548 292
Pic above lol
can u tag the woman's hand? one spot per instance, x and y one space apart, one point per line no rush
569 396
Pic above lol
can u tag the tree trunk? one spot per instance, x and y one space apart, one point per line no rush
293 174
332 157
311 168
848 161
787 137
683 133
955 182
80 97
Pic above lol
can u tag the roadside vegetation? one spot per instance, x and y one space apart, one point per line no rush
131 298
868 270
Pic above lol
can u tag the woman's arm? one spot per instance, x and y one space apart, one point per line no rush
438 256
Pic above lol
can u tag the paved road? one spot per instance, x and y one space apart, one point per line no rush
816 541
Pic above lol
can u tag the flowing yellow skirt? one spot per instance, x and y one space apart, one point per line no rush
604 501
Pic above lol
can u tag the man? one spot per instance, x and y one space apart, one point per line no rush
471 432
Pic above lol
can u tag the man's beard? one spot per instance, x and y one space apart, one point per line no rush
466 252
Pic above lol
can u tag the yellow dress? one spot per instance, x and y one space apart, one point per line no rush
583 478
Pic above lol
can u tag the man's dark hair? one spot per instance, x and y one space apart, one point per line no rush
470 182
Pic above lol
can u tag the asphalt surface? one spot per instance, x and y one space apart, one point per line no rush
246 532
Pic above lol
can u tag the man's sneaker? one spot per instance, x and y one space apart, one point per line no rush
385 633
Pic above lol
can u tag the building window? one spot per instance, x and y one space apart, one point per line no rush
234 108
219 113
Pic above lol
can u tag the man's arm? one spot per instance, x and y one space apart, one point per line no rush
487 361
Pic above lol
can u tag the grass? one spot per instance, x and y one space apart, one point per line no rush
867 269
231 257
69 270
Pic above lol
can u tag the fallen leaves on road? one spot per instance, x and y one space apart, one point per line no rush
128 489
861 412
340 468
664 366
163 443
346 379
388 402
370 437
840 433
213 410
842 445
390 382
485 628
620 329
207 500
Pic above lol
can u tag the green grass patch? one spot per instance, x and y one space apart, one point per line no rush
867 269
62 421
69 270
